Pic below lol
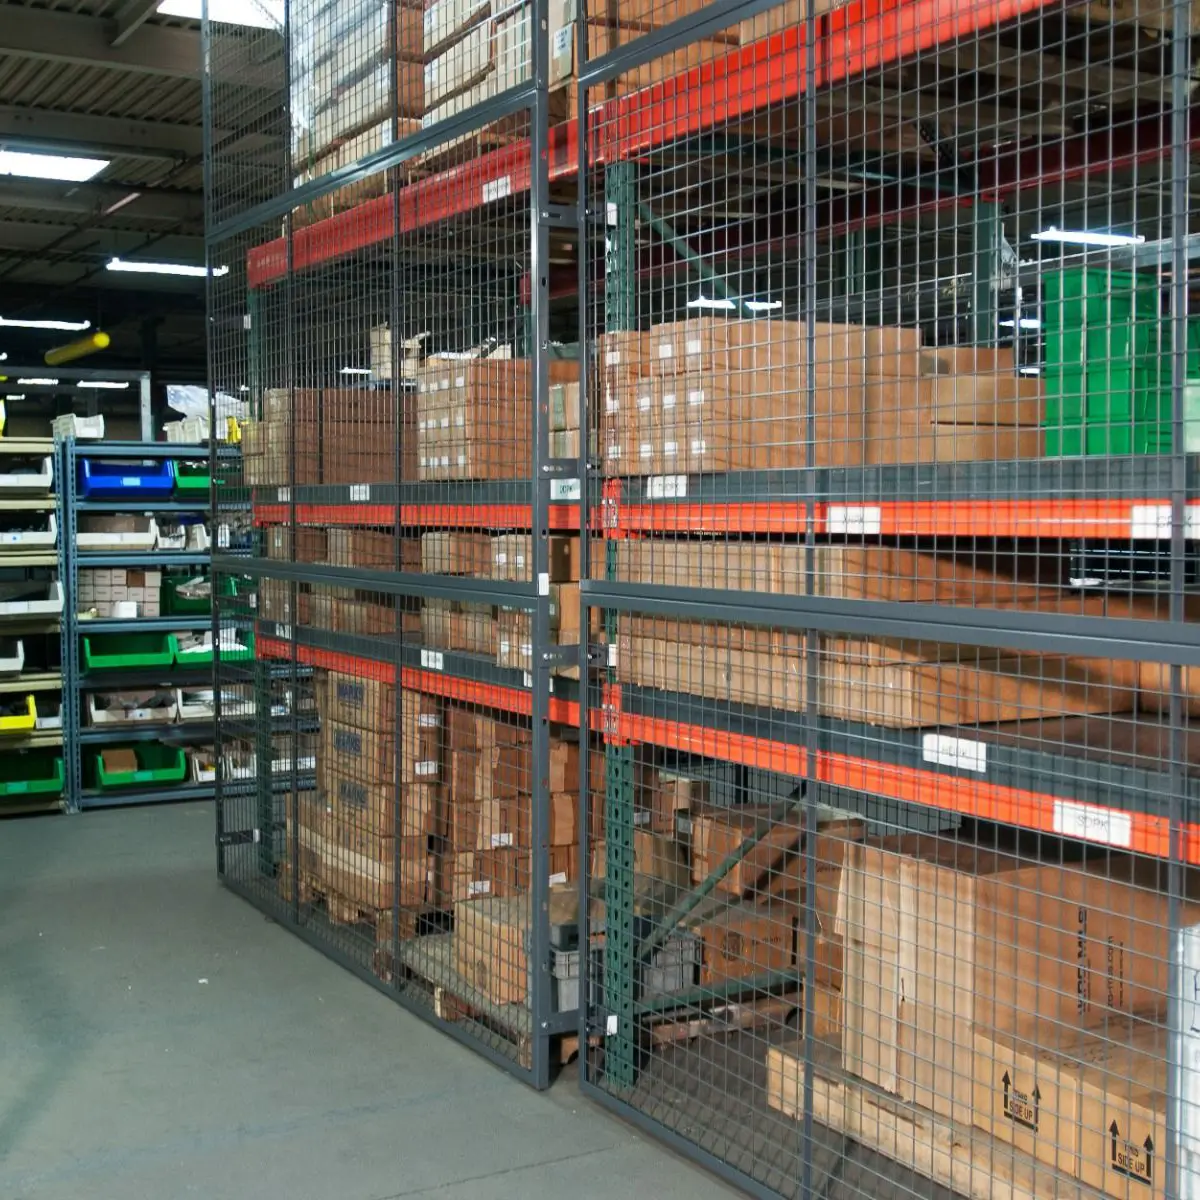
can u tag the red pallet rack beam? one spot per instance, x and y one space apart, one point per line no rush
563 517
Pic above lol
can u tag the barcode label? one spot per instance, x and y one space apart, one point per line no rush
565 489
948 751
479 887
284 495
501 840
497 189
433 660
666 487
359 493
425 769
1150 521
855 518
284 631
1090 823
559 877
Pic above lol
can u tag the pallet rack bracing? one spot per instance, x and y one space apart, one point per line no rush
408 553
886 346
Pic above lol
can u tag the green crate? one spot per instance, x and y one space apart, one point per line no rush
122 651
202 658
1107 372
192 478
172 604
156 763
30 773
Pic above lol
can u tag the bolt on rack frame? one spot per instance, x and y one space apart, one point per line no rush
414 589
888 352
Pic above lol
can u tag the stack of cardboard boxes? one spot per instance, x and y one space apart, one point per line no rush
102 588
716 394
345 59
1025 998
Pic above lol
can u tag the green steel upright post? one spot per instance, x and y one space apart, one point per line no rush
620 961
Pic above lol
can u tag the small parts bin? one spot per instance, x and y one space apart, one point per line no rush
18 714
122 651
103 479
24 531
142 765
27 477
30 773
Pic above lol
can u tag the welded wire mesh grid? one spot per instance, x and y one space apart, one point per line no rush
888 347
419 823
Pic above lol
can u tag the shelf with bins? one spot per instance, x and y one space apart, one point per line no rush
118 493
31 733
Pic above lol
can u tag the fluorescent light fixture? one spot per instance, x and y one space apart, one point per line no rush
65 326
1088 237
764 305
14 396
243 388
257 14
37 382
104 384
64 167
1026 323
356 370
3 358
1030 371
162 268
708 303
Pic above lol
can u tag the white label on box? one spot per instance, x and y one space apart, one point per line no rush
612 1025
359 492
525 650
497 189
684 825
855 518
612 358
446 460
949 751
423 460
519 560
699 446
428 721
557 878
479 887
694 346
505 647
666 487
666 350
502 558
1090 823
284 495
423 770
565 489
612 655
562 39
646 450
1150 521
433 660
671 448
501 840
543 581
695 398
1189 1048
641 818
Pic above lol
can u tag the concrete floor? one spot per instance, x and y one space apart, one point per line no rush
161 1038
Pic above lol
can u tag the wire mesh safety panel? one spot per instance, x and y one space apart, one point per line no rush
398 757
888 357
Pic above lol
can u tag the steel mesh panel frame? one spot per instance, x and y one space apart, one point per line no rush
390 523
908 478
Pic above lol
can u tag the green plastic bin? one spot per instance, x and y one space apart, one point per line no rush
202 658
122 651
1107 370
156 763
192 479
172 604
30 773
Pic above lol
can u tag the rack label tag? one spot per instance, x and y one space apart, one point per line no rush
949 751
855 518
564 489
284 495
1150 521
666 487
497 189
360 493
433 660
1090 823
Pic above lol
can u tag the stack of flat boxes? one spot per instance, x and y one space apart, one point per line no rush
344 61
100 588
359 761
714 394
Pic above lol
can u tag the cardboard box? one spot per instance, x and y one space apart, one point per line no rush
902 695
445 21
503 772
499 873
490 947
512 558
564 821
719 833
943 939
1023 1096
564 766
746 941
654 857
446 552
358 701
504 823
474 629
373 807
564 407
361 867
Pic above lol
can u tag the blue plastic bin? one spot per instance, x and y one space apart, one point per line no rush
103 479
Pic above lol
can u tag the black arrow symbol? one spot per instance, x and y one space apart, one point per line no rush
1037 1105
1008 1106
1148 1146
1115 1130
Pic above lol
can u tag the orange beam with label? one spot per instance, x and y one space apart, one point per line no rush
968 797
563 517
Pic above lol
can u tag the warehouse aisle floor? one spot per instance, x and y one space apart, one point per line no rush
159 1038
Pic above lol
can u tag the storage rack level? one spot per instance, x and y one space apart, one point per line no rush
151 490
31 741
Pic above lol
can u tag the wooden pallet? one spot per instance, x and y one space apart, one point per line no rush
967 1161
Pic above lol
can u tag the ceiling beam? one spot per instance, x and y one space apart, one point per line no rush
114 136
131 16
95 198
51 36
30 237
